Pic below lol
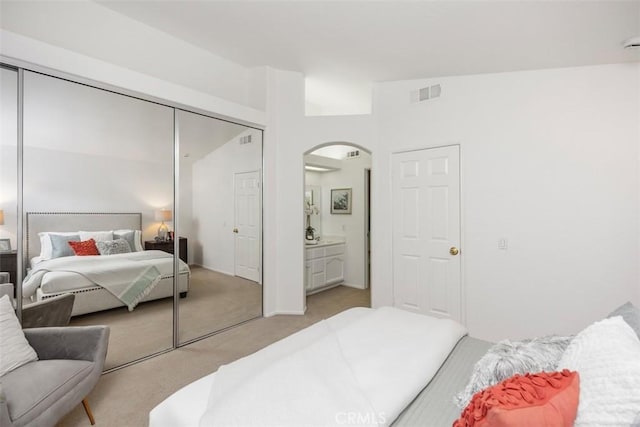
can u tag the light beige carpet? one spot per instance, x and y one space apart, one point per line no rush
124 397
215 301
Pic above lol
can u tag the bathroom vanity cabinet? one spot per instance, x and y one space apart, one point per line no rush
324 266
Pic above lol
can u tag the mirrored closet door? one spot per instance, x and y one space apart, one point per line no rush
8 180
98 167
220 232
130 205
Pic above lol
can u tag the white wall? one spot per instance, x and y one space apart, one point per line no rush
289 136
88 183
549 161
213 201
336 96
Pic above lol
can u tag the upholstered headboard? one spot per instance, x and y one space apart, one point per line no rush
75 221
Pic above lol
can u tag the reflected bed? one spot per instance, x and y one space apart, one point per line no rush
73 274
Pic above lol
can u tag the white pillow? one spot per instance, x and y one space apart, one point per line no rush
98 236
607 357
15 350
46 248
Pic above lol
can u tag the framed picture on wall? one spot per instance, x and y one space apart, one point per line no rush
5 245
341 201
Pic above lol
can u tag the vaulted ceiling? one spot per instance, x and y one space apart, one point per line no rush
397 40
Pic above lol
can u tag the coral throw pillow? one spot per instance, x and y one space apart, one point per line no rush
85 247
530 400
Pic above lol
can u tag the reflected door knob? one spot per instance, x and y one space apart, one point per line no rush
235 230
454 251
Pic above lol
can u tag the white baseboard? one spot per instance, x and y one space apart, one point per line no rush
286 312
221 272
351 285
213 269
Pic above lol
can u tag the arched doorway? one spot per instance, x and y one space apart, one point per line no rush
337 219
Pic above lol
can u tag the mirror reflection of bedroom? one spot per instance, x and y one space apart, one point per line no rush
219 193
99 180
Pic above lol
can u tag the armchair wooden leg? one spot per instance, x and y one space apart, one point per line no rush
87 409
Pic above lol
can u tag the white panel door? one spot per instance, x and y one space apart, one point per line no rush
247 225
426 231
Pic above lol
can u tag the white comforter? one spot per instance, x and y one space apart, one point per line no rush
364 373
55 275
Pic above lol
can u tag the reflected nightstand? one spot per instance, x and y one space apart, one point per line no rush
150 245
9 263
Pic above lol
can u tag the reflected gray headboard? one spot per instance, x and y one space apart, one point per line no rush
75 221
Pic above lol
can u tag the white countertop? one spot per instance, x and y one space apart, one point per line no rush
323 243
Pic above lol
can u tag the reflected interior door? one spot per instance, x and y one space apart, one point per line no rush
247 225
426 231
211 153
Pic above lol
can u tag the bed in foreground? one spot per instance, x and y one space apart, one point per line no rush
389 367
360 367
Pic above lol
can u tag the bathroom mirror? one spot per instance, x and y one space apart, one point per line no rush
312 210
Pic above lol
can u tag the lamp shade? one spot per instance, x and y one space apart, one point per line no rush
1 217
164 215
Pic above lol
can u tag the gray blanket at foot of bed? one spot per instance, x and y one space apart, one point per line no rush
434 406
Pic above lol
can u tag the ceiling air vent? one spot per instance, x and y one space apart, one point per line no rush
245 139
426 93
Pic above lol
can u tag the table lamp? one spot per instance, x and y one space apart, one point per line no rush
163 215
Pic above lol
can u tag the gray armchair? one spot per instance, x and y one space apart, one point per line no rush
54 311
70 363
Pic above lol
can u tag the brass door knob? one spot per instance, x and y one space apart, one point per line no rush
235 230
454 251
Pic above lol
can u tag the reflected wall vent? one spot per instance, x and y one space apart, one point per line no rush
245 139
353 154
425 93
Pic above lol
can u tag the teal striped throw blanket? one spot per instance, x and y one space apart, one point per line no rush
129 279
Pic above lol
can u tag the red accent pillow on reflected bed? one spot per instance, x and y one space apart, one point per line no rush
85 247
530 400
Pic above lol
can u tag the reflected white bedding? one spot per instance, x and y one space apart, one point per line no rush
376 361
54 282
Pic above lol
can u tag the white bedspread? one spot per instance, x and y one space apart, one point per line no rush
129 277
364 373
